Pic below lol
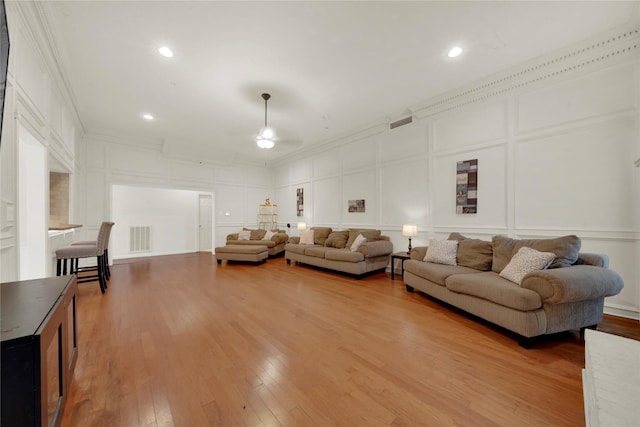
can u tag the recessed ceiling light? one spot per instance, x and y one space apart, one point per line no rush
165 51
148 116
455 52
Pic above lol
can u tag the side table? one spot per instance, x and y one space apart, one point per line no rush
403 256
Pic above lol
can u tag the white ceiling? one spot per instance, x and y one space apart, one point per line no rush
331 67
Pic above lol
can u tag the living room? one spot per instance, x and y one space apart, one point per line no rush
556 137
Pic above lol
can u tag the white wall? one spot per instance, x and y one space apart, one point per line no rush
556 140
171 214
115 161
33 207
36 100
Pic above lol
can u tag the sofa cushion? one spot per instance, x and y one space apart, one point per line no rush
268 235
296 248
524 262
337 239
316 251
491 287
436 273
244 235
267 243
344 255
368 233
375 249
566 249
442 251
256 234
306 237
473 253
320 234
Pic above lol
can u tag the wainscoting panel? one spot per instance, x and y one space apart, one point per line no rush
190 171
476 125
326 164
404 142
492 190
95 197
301 170
361 185
357 155
137 161
326 200
95 155
584 178
593 95
410 205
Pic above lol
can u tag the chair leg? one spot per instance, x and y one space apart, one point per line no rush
64 267
106 263
59 267
101 280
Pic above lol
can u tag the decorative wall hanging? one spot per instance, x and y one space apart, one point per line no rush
300 201
356 205
467 187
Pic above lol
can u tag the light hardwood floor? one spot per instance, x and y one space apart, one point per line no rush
180 341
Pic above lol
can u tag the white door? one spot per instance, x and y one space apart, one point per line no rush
205 225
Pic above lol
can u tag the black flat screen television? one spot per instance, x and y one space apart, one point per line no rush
4 60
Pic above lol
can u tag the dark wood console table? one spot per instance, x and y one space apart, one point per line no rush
39 348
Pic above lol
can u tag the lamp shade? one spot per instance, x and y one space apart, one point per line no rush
302 226
409 230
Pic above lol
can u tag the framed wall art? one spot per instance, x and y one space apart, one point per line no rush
300 201
467 187
356 205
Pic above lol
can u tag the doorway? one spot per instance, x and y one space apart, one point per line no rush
205 222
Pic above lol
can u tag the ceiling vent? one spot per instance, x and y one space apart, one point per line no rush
400 122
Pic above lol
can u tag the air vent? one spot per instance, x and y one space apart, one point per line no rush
140 239
401 122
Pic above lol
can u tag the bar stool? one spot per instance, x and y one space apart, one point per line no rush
73 253
105 225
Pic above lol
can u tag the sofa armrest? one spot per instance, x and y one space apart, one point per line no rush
280 238
575 283
597 260
294 239
419 252
377 248
232 236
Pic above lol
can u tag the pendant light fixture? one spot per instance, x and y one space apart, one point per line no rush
266 135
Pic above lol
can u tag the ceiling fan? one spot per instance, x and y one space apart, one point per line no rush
267 139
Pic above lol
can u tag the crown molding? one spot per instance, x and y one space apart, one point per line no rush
594 53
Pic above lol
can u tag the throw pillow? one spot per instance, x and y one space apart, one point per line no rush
337 239
321 234
565 248
442 251
473 253
525 261
306 237
256 234
244 235
357 242
268 235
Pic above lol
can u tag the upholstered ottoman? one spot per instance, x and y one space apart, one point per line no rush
251 253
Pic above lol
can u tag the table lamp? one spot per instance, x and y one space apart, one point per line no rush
409 230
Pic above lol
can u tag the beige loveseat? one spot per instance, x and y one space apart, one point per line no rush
275 245
332 250
568 295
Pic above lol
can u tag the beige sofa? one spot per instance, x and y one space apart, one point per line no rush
331 250
568 295
275 245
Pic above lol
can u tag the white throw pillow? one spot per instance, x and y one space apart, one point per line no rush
442 252
244 235
525 261
306 237
268 235
360 240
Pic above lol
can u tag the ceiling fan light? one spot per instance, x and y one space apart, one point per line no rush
267 133
264 143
